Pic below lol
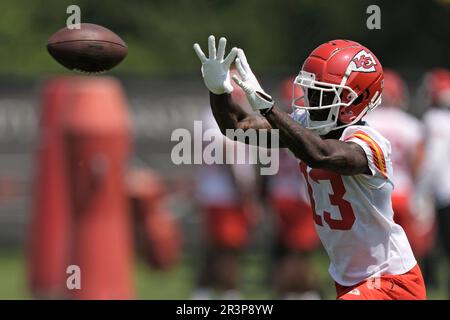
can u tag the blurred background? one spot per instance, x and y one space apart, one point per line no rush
158 88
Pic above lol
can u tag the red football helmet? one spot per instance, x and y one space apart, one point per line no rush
437 87
341 81
395 91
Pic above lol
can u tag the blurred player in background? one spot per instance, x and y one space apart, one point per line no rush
158 235
436 88
406 135
226 198
296 237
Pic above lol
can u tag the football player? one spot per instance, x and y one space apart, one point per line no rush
346 163
408 145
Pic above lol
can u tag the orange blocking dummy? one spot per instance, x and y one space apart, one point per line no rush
98 146
48 243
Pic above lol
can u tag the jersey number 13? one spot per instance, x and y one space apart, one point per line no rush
345 209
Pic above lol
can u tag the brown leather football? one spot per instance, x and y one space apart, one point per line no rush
92 48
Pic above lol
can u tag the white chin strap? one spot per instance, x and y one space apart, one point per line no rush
325 126
322 130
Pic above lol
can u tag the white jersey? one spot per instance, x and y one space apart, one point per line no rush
405 133
354 217
438 153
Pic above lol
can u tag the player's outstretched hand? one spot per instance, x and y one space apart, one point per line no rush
256 96
216 68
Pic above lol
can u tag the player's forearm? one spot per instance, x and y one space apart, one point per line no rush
306 145
230 115
225 111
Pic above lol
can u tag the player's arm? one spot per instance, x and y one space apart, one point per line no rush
346 158
230 115
215 71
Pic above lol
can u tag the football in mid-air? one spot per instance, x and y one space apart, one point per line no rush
91 48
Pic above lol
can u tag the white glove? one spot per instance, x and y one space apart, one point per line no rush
258 99
216 69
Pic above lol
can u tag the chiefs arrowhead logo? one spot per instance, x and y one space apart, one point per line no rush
363 61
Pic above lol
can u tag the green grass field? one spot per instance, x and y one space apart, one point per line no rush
177 283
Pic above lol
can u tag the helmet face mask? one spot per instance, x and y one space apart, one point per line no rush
341 80
322 101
